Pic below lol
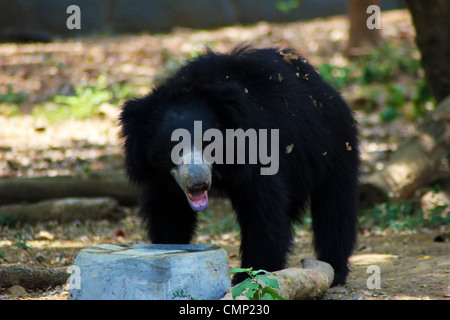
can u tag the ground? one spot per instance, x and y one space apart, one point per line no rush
412 265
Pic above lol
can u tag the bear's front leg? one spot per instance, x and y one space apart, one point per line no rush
266 231
167 215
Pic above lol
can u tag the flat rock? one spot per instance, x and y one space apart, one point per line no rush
147 271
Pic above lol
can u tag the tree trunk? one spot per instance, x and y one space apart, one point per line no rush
31 277
432 22
359 34
309 282
68 209
99 184
415 163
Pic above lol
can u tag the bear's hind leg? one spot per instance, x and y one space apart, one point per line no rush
334 222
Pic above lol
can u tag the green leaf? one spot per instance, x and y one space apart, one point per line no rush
253 289
255 272
269 293
269 281
239 270
237 290
267 296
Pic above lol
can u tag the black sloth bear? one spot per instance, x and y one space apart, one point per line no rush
262 126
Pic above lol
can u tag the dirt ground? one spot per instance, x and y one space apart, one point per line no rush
412 265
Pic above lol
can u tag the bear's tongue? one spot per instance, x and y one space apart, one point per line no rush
198 200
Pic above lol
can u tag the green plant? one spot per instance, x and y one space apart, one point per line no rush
402 215
2 255
252 286
335 75
422 97
22 243
396 215
287 6
387 64
218 224
182 293
395 101
13 98
85 101
10 221
439 213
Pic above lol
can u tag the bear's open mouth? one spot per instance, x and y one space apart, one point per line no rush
198 200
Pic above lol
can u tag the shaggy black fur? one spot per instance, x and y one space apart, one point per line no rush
259 89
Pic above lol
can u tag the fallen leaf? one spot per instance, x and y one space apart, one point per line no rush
288 57
348 146
289 148
280 77
120 233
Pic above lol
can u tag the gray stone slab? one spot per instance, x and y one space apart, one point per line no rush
153 272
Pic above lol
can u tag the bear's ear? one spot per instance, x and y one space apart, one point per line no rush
133 122
129 117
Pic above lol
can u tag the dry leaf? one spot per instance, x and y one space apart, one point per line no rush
280 77
289 148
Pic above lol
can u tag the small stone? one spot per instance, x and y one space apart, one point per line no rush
17 291
45 235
